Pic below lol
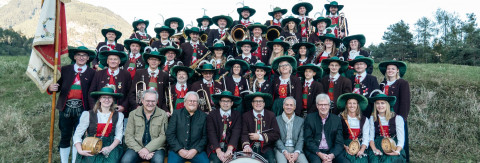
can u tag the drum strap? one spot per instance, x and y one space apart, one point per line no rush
106 126
346 121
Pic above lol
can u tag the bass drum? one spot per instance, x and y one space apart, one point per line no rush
242 157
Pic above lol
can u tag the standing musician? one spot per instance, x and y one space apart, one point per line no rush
260 130
321 25
180 87
354 44
246 48
223 22
135 61
224 127
279 48
153 77
244 13
340 28
220 55
303 53
330 48
258 30
192 50
277 15
286 84
163 35
140 30
204 24
171 53
175 23
74 83
111 36
335 84
113 76
235 82
362 82
207 84
290 27
310 75
302 9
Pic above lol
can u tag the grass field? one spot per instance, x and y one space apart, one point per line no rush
444 122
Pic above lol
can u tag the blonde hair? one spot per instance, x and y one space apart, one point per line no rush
396 76
273 56
358 113
388 114
98 106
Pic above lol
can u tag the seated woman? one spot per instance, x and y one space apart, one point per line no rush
384 123
104 122
356 127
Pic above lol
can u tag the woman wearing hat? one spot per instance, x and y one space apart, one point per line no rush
104 122
163 37
302 9
286 84
140 30
329 48
289 26
385 123
303 53
111 36
395 85
354 46
277 14
235 82
204 23
279 48
310 75
356 127
259 80
219 56
334 84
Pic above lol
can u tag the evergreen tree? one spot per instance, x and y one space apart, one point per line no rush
399 42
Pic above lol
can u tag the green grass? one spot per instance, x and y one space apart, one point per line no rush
443 123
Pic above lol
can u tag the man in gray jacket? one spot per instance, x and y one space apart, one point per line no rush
289 146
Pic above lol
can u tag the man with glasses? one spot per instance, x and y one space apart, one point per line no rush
224 126
323 134
145 132
208 84
187 133
259 127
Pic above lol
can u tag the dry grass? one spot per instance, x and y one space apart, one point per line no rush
443 122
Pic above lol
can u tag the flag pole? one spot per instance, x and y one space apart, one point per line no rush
55 71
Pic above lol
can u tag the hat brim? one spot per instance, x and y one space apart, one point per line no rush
367 60
289 59
174 70
267 69
97 94
227 18
163 51
285 45
327 7
266 97
224 48
118 34
217 97
308 45
128 42
295 20
390 99
342 101
402 67
360 38
251 10
239 45
261 26
307 6
337 41
326 62
243 64
175 19
326 20
160 29
135 23
160 57
91 54
200 20
316 69
103 56
283 11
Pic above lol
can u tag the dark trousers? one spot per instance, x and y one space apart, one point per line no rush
67 126
313 157
131 157
214 158
174 157
406 146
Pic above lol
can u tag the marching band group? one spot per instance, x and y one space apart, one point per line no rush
294 89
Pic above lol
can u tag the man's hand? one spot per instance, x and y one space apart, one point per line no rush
254 136
183 153
220 155
294 156
120 108
247 149
53 87
143 153
149 156
191 153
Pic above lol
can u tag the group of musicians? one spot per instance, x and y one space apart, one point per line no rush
293 89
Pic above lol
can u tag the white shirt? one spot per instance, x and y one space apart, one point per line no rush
325 54
178 86
277 21
170 62
352 54
364 74
84 68
142 33
284 81
194 43
134 55
237 80
255 115
249 56
245 21
204 28
110 43
115 73
227 113
309 82
221 30
335 78
102 118
155 72
257 40
302 17
207 82
399 128
391 82
354 123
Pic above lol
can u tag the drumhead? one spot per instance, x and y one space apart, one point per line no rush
245 160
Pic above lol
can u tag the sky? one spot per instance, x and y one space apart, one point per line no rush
368 17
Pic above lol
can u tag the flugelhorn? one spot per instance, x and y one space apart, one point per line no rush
273 32
205 101
139 92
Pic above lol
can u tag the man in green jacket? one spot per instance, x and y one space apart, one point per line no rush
187 132
145 132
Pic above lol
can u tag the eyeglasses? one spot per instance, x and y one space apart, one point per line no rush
284 65
258 101
191 101
323 105
226 101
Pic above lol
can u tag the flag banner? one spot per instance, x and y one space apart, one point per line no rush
42 59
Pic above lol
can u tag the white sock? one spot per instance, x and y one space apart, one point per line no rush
64 154
74 154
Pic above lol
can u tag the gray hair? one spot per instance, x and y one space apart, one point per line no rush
191 93
290 98
289 65
321 97
151 91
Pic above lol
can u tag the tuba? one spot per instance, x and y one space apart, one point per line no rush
273 32
205 101
238 33
203 37
139 92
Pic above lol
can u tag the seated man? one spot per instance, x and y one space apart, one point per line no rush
145 132
323 134
259 127
290 145
187 132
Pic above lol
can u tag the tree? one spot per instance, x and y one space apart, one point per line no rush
399 42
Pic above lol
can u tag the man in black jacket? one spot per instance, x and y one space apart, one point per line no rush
187 132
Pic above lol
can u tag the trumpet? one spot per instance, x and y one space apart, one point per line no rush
170 101
139 92
205 101
273 32
195 65
342 25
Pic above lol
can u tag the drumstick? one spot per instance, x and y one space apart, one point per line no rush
267 130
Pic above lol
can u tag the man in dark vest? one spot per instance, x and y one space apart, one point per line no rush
302 9
362 82
140 30
135 60
193 50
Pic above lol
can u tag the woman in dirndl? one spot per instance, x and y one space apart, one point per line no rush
356 127
354 44
330 48
384 123
285 84
218 59
279 48
303 53
93 123
234 81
